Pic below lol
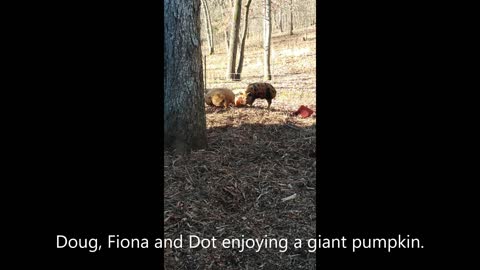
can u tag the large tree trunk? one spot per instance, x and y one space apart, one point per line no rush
242 43
208 25
232 52
291 18
267 34
184 104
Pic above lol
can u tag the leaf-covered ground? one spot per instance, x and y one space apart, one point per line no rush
257 177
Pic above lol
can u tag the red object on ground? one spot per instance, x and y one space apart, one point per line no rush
303 111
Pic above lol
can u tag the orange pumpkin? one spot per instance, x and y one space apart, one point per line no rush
239 101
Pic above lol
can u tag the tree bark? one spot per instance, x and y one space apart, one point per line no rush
184 104
242 43
267 34
208 25
232 52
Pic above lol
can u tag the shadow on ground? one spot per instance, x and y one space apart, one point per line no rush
255 180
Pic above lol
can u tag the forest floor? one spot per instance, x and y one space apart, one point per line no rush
257 178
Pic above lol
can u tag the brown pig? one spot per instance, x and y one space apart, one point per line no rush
220 97
260 90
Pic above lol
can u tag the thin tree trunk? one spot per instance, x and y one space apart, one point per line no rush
227 46
275 22
267 33
208 25
225 31
184 104
281 21
212 49
232 52
305 38
291 18
242 43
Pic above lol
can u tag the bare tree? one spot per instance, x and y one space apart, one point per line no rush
267 34
291 15
223 6
243 39
208 26
232 52
184 104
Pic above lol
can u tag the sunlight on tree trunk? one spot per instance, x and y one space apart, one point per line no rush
208 27
232 52
242 43
267 34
